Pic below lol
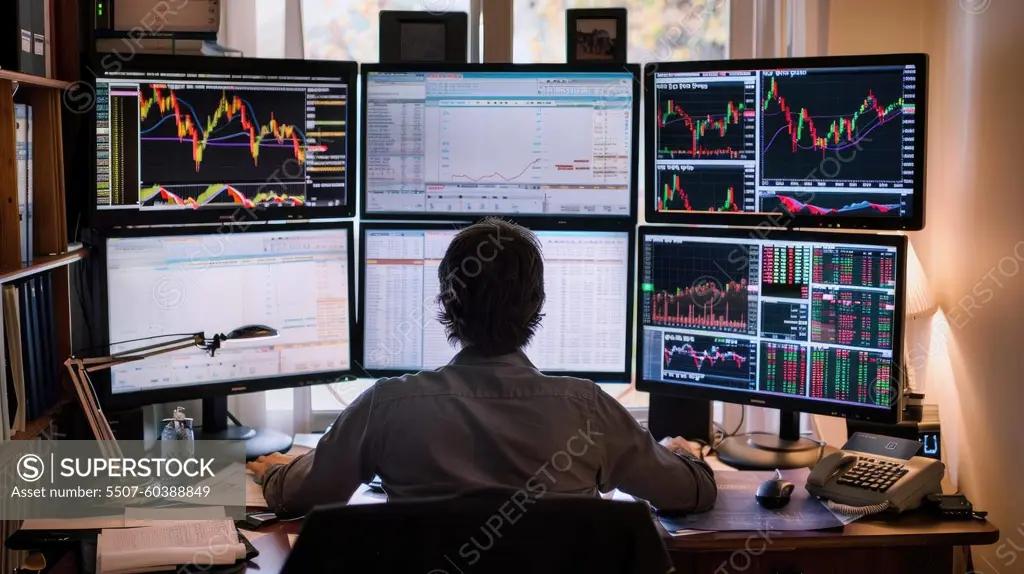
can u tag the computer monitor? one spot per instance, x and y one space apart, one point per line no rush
545 140
198 139
798 321
293 278
587 324
797 142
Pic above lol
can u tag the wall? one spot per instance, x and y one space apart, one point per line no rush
975 256
973 246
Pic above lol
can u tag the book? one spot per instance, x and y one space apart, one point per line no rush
5 423
48 332
29 347
21 156
151 548
12 329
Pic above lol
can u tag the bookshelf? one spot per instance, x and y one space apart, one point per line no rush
51 252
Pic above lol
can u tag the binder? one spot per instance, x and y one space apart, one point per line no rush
17 45
21 156
39 37
30 200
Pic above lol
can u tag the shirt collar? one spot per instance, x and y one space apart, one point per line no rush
469 356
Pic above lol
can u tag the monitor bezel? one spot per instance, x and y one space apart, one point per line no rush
102 379
534 225
346 71
756 399
915 222
582 68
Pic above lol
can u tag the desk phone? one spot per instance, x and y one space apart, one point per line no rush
873 473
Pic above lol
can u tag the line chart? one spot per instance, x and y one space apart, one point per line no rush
219 193
838 204
712 360
497 175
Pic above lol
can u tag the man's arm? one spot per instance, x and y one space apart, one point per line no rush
636 464
344 458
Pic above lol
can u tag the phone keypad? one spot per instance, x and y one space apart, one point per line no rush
873 474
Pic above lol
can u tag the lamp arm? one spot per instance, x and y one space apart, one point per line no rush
101 363
91 407
198 339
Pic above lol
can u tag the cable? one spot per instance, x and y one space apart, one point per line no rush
856 511
743 417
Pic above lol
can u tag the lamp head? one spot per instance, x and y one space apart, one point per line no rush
244 333
251 333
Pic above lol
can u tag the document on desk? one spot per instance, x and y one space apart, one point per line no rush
213 542
737 509
138 517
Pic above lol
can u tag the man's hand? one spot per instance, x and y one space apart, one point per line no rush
680 445
260 465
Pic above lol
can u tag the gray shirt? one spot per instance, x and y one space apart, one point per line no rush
484 423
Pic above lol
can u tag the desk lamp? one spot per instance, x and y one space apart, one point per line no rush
81 367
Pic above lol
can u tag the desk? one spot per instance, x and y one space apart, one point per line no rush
875 545
909 543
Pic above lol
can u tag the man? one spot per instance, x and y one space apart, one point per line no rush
489 419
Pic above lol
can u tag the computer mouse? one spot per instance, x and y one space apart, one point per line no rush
774 494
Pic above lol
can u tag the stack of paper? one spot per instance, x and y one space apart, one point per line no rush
155 548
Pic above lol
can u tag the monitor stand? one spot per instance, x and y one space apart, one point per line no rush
258 442
769 452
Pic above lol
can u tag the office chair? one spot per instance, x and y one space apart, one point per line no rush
482 533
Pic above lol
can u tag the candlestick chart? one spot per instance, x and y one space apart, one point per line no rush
196 135
711 188
700 286
714 122
852 117
713 360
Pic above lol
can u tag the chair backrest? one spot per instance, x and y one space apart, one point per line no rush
482 533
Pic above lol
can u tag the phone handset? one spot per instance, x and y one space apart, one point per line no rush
830 467
827 470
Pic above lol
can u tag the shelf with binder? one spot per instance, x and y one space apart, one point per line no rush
33 81
44 263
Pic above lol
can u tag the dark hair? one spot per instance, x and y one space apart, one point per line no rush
492 287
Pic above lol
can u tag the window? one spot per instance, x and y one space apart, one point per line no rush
659 30
348 29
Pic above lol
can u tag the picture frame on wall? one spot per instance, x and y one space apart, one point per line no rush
595 35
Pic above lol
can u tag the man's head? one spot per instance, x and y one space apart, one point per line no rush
492 287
